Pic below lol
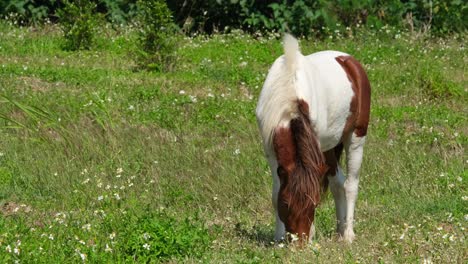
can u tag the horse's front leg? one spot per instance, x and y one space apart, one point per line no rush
354 152
280 229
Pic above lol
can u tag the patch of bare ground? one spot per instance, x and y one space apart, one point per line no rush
37 84
12 208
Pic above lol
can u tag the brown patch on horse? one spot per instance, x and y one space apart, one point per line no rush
358 120
301 169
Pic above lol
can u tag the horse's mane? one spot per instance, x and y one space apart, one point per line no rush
306 180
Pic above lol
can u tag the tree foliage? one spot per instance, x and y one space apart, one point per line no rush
301 17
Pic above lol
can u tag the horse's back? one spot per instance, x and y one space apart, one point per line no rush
332 95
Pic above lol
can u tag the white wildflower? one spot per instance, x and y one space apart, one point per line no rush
112 235
119 170
294 237
100 197
108 249
117 196
427 261
146 236
237 152
8 249
86 227
181 92
51 237
146 246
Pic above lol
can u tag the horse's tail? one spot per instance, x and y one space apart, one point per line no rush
291 48
278 101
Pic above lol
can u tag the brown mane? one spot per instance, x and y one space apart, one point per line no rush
306 180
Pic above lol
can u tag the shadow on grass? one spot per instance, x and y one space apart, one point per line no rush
261 234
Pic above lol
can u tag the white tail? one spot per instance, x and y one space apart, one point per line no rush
291 47
278 101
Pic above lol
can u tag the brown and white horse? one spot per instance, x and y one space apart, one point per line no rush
310 109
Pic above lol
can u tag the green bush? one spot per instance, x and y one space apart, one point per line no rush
434 85
157 42
79 23
318 17
442 16
301 17
118 11
158 236
28 11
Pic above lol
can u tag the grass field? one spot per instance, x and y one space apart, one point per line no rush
102 163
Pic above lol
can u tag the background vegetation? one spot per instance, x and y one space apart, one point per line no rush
301 17
106 155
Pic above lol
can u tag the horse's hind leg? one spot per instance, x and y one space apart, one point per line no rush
336 181
354 150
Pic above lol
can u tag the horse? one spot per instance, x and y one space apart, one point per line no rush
310 109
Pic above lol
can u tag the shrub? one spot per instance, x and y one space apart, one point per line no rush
313 17
157 42
28 11
435 85
79 22
158 236
118 11
442 16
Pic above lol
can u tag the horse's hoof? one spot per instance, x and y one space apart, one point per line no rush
348 236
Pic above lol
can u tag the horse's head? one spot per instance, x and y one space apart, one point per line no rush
301 169
296 210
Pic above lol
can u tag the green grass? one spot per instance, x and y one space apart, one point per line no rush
102 162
